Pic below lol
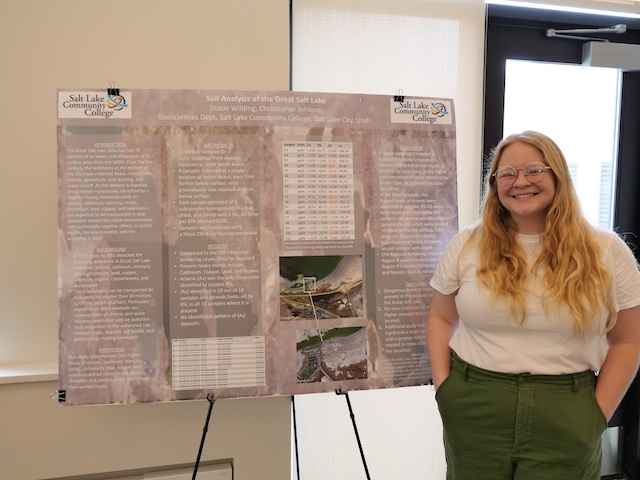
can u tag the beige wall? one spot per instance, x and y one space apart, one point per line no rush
45 45
39 439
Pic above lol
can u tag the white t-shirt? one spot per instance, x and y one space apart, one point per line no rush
489 337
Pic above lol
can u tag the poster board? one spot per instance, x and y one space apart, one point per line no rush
246 243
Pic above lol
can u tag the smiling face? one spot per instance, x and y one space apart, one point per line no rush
527 202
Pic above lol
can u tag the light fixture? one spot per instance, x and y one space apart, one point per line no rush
565 8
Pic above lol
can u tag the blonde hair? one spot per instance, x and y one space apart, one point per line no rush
573 273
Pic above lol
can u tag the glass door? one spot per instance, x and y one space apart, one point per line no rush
536 82
579 108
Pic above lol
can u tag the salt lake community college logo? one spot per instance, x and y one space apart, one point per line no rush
96 105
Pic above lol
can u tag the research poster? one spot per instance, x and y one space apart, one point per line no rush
247 243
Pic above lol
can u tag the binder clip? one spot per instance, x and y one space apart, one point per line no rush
60 395
112 91
114 100
398 97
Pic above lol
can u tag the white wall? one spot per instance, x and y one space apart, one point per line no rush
45 45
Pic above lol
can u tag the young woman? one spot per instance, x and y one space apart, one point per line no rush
534 326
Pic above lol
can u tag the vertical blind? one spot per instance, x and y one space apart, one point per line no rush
416 48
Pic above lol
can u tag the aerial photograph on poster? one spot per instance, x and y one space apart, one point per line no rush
331 355
321 287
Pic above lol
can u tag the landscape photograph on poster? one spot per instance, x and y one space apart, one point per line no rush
331 355
321 287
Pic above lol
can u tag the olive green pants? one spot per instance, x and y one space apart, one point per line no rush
526 427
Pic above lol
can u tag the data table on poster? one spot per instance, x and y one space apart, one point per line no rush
230 362
318 191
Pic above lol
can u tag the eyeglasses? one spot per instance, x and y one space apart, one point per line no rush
533 172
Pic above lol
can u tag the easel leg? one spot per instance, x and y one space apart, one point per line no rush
295 434
355 429
204 434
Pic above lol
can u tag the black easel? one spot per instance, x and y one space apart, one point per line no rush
295 434
204 434
355 429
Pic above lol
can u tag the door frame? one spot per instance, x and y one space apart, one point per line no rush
520 33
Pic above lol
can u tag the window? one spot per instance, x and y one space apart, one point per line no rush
578 108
